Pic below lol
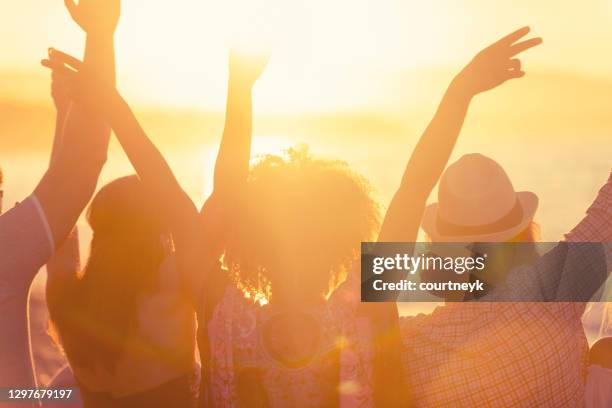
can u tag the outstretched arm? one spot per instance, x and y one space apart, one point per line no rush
62 193
71 178
492 67
232 165
177 210
65 264
61 100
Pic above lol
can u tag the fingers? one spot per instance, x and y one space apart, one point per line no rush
524 46
66 59
515 74
514 64
513 37
62 65
58 68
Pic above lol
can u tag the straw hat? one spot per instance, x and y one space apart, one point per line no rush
477 203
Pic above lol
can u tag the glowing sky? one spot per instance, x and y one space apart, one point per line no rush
327 53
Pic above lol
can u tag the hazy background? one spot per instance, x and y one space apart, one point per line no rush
355 79
358 80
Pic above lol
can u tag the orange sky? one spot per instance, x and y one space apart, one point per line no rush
328 54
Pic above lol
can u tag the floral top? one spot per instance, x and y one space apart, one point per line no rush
242 370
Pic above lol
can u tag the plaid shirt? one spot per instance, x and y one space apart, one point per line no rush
506 354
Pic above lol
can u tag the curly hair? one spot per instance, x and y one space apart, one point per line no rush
300 226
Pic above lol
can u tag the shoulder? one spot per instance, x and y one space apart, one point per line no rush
27 217
26 241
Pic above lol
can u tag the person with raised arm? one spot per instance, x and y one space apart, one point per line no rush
231 167
223 206
492 67
127 325
66 261
32 231
269 333
479 353
146 294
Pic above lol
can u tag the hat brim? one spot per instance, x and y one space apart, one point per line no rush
527 200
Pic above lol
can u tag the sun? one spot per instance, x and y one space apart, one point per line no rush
178 55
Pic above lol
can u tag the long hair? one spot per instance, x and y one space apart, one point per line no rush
93 315
300 225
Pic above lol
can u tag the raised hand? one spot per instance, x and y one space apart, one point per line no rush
95 16
79 84
59 89
245 69
495 64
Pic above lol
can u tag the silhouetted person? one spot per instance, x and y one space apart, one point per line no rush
127 324
482 353
32 231
292 227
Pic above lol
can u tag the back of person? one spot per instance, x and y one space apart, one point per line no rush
496 354
499 350
252 363
157 367
158 361
296 237
126 324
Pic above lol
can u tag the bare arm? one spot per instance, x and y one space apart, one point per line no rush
152 168
492 67
71 179
425 167
62 102
65 264
232 165
177 210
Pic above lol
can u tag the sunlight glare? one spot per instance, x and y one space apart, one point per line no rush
269 144
262 145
